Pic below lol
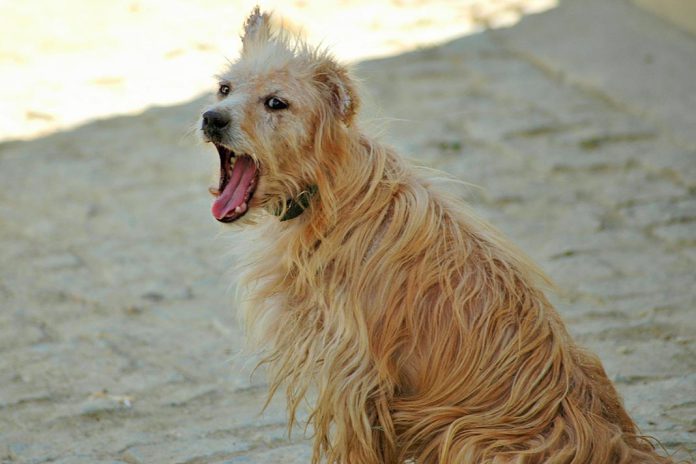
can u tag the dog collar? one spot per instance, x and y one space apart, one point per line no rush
296 206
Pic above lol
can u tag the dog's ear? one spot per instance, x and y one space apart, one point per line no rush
257 30
341 90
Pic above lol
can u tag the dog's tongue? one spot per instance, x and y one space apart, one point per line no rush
243 173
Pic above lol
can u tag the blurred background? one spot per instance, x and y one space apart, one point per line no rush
573 119
63 63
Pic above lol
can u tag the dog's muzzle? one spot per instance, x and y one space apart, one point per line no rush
214 122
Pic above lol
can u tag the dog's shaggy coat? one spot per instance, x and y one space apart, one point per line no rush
416 330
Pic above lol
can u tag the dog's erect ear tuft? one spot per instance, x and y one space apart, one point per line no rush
257 29
341 89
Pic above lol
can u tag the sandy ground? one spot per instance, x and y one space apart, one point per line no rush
118 340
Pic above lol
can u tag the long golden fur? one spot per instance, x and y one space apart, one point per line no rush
416 331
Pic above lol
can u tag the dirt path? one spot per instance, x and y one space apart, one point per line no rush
118 341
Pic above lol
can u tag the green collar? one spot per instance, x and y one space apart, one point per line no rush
296 206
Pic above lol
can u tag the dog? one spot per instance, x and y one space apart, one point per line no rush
416 332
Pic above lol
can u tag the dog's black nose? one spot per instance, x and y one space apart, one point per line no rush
214 120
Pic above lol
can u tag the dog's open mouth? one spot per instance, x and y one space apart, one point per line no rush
238 179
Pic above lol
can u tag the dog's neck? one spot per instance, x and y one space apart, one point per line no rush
364 164
296 206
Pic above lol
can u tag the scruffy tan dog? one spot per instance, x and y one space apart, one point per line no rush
420 332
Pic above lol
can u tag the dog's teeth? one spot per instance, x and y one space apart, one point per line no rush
243 207
238 209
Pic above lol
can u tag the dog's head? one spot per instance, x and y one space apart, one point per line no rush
279 108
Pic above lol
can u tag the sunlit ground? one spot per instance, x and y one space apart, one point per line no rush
65 62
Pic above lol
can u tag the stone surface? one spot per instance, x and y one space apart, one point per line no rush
622 54
118 336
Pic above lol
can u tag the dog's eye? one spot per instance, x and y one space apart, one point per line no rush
275 103
224 89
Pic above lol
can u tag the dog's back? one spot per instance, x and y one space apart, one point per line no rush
426 335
